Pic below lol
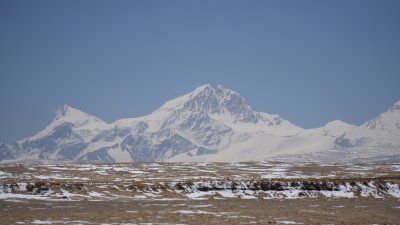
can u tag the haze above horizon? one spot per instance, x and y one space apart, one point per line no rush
310 62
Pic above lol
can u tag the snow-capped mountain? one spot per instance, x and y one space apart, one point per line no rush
211 123
381 131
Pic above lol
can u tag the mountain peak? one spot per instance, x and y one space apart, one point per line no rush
68 114
209 89
209 99
387 119
337 125
202 87
69 111
66 109
201 94
395 107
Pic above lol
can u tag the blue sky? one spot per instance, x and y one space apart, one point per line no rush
309 61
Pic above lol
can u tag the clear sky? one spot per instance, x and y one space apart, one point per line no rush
309 61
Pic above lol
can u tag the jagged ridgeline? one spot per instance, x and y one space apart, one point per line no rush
211 123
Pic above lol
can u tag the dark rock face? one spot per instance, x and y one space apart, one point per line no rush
342 142
142 149
100 155
205 151
6 152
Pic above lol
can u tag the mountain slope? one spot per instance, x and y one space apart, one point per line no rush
381 131
211 123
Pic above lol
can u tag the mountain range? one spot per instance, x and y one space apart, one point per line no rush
211 123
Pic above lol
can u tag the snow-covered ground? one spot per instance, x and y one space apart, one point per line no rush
197 181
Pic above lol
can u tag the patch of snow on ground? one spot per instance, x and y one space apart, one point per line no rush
4 174
102 172
44 222
57 177
287 222
23 196
95 194
200 206
204 212
393 190
396 168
